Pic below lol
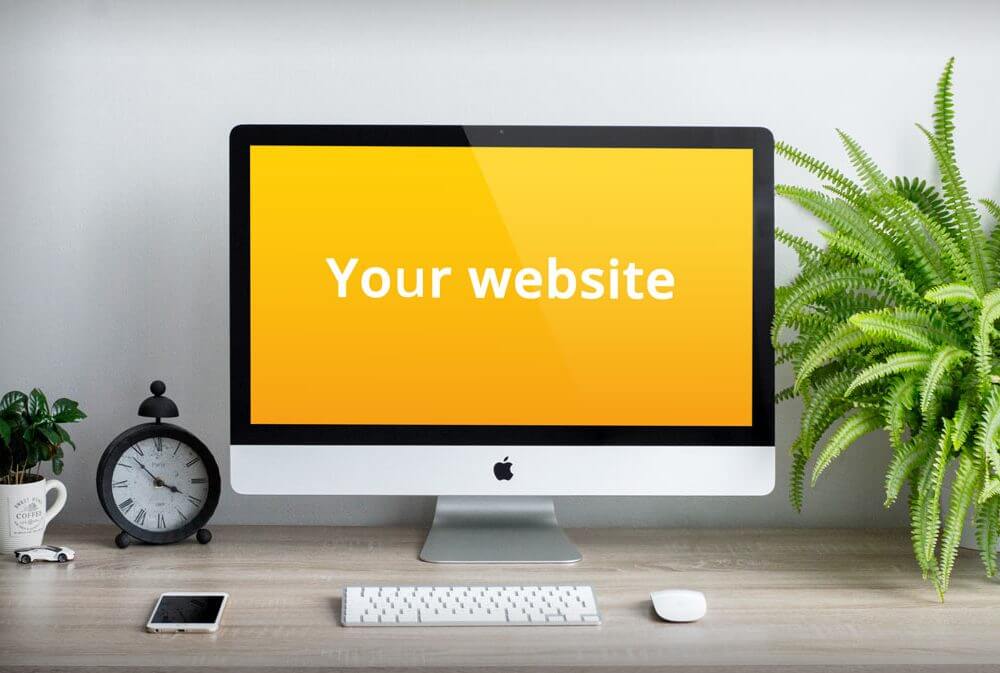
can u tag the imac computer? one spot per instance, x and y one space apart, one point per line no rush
499 315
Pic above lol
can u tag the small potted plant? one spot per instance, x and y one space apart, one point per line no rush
31 433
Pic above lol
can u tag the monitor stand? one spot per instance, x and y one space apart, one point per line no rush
504 529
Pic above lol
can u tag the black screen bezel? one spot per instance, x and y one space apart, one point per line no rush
760 140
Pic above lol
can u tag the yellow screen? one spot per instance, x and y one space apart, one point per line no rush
500 286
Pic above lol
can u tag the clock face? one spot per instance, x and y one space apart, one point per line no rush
159 484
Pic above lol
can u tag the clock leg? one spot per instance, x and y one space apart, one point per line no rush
203 535
123 540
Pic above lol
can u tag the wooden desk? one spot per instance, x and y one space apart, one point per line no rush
825 598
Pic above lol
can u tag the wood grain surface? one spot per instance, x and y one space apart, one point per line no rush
812 600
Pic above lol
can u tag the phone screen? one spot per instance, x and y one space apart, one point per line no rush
188 609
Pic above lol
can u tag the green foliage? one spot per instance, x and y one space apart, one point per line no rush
31 433
892 324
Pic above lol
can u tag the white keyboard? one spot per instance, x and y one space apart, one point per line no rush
470 606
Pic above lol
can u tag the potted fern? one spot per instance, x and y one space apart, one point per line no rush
890 327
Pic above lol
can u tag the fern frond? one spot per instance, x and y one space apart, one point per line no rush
855 249
946 358
885 326
917 529
944 109
896 363
952 293
984 331
962 423
841 340
821 170
963 489
796 480
905 459
805 250
850 431
959 202
841 216
871 175
784 394
993 243
989 425
898 403
987 529
992 207
821 407
809 288
990 489
926 198
930 496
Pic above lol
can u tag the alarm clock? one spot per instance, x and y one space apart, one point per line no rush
158 482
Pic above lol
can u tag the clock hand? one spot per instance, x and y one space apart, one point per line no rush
144 468
173 489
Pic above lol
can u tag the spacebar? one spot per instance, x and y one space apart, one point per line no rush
429 617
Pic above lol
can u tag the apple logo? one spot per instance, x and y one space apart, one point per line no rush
502 471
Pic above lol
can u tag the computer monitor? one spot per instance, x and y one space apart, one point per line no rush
499 315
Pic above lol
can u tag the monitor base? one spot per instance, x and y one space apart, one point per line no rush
506 529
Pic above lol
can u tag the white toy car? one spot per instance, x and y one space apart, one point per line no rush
45 553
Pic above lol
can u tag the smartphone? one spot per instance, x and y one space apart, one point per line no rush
187 612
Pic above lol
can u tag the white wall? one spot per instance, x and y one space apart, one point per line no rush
113 170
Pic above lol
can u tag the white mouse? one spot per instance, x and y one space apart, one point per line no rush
679 605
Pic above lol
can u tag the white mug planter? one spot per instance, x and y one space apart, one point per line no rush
23 515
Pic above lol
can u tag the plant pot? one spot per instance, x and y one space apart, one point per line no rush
23 515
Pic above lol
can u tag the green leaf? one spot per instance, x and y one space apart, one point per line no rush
946 358
962 423
810 288
897 363
870 174
917 528
960 204
64 436
930 499
820 169
983 347
821 407
4 432
897 405
850 431
952 293
962 493
993 244
986 437
796 480
986 519
905 459
841 340
944 109
38 406
13 402
991 489
66 411
50 434
805 250
882 325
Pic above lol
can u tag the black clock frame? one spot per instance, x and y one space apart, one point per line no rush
126 440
